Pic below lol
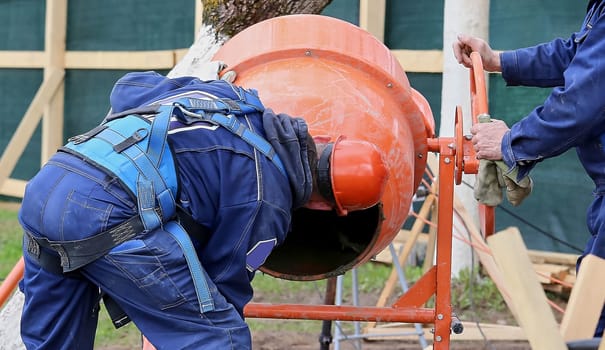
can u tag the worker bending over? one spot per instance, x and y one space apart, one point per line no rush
166 210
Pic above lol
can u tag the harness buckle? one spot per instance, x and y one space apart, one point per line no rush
33 247
136 136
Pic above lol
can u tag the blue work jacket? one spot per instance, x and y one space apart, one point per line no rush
226 185
573 115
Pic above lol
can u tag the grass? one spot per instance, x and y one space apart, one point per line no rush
10 241
468 292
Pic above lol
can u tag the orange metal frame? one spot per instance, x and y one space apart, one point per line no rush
456 156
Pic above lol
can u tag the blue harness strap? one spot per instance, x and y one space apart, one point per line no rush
195 267
138 153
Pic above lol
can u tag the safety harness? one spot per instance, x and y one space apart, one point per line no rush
133 146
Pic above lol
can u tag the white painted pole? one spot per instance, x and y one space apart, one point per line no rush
460 17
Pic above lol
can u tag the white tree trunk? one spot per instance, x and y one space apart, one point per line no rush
460 17
201 52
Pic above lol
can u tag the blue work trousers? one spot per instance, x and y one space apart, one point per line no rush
595 219
147 276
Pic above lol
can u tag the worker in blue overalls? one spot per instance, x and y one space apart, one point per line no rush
166 210
573 115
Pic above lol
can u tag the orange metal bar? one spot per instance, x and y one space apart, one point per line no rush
339 313
479 106
478 87
10 283
420 292
443 306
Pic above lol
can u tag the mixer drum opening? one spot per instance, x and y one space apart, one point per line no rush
322 244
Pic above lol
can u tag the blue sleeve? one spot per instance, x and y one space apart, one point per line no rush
571 114
543 65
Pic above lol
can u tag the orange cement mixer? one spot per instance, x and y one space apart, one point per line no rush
343 82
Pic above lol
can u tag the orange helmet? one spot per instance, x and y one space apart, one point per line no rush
352 174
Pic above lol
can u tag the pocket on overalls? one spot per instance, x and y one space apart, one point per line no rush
84 216
145 267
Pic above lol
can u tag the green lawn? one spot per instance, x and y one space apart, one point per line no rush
10 240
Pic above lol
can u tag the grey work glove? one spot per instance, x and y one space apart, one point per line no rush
516 191
489 183
492 178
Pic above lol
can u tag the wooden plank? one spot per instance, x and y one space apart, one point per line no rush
199 12
544 271
54 43
179 54
371 17
420 61
484 254
22 59
493 332
533 313
404 235
162 59
28 125
586 300
399 241
158 59
538 256
13 188
385 256
429 257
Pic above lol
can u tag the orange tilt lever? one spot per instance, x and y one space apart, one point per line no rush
479 109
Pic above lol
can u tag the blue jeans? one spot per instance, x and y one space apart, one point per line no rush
147 276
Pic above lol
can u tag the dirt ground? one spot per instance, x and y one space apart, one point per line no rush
301 341
308 341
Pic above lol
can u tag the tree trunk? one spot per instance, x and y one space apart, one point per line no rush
222 19
461 17
231 17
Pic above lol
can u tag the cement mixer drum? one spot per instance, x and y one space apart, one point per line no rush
343 82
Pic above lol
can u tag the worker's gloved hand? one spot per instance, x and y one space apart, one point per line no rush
212 71
489 183
517 191
492 178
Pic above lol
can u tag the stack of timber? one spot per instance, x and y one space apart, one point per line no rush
556 271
